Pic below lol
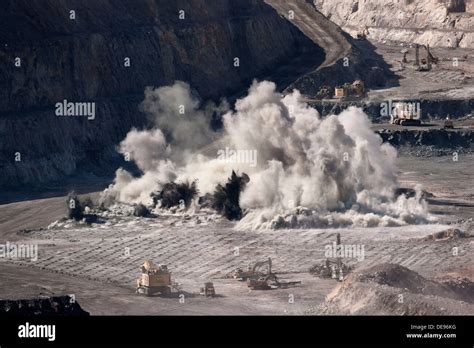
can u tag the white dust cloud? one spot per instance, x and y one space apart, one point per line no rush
310 172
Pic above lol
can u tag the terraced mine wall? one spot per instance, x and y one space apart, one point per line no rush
442 23
429 108
106 52
437 138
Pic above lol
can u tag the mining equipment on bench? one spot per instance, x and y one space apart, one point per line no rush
260 276
154 280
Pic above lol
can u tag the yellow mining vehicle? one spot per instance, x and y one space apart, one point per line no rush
154 280
353 90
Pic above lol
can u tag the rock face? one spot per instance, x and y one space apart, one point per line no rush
444 23
79 52
430 108
438 138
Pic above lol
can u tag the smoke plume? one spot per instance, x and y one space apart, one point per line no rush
309 171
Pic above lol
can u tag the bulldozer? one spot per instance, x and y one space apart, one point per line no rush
154 280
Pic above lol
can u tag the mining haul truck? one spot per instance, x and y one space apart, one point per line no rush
154 280
405 114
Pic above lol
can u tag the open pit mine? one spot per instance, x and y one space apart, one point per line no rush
247 157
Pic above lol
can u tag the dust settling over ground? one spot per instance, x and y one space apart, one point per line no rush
310 172
301 177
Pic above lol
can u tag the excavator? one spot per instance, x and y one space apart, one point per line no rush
425 62
262 280
260 276
254 271
362 34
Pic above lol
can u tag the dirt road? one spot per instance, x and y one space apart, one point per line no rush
315 26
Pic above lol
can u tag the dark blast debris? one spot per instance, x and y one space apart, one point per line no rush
226 198
174 194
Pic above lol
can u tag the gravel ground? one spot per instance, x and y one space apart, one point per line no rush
99 264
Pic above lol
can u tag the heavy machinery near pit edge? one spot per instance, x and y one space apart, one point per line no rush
260 276
405 114
154 280
426 63
325 92
208 290
347 91
363 33
353 90
448 123
332 268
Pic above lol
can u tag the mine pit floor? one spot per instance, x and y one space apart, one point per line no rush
99 265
